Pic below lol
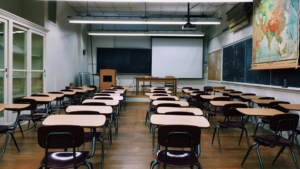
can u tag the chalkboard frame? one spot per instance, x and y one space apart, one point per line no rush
128 49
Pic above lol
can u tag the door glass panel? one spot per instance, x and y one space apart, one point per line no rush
1 91
19 84
19 49
1 45
36 82
37 52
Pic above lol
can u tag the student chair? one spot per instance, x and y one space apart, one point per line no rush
183 93
178 136
278 123
229 111
62 137
208 89
59 100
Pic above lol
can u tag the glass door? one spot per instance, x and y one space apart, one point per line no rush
3 70
37 63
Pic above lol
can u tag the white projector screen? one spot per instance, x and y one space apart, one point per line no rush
178 57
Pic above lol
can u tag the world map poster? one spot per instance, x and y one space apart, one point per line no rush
275 34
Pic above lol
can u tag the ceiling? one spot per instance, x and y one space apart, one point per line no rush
141 8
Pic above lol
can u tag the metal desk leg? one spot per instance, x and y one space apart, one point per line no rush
93 144
153 137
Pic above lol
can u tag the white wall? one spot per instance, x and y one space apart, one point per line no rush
217 40
132 42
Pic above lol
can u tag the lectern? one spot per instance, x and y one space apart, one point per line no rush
107 78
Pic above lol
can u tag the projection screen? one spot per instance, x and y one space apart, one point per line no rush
178 57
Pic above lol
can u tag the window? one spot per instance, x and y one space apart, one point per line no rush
52 11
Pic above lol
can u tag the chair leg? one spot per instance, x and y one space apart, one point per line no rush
4 147
147 116
212 142
297 143
218 135
20 128
208 121
261 129
116 127
40 166
247 138
199 166
109 133
280 151
102 154
259 157
13 138
28 126
241 136
248 152
295 160
153 163
88 164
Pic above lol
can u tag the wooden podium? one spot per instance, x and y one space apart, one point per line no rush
107 78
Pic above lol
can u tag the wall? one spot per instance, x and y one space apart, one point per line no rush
217 40
132 42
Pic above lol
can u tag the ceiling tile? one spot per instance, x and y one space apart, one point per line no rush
104 4
136 4
108 10
120 4
73 4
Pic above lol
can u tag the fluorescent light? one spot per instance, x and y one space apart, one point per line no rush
163 1
177 34
141 21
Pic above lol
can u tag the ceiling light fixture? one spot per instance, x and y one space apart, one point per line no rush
145 33
163 1
141 21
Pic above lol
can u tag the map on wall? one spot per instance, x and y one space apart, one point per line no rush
275 34
214 65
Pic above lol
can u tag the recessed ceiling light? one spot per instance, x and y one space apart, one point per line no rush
146 33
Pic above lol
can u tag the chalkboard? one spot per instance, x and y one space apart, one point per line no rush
124 60
237 60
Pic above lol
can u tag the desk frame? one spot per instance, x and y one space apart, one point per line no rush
138 80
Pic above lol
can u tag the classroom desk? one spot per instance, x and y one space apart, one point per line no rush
117 91
295 107
139 79
79 91
156 97
163 110
259 112
250 97
113 97
264 102
152 88
167 92
125 87
235 94
68 93
100 109
111 94
151 94
211 97
189 91
182 103
42 100
159 120
53 95
90 121
87 88
223 103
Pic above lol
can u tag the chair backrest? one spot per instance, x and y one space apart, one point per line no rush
118 88
159 91
78 88
186 87
267 98
180 113
273 104
111 89
284 122
40 95
248 94
198 91
66 90
230 109
221 99
166 98
147 76
208 88
179 140
100 94
92 86
160 95
168 105
57 98
236 92
32 103
228 90
109 92
94 104
104 98
194 89
84 113
60 141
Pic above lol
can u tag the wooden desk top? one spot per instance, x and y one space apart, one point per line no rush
223 103
168 92
182 103
163 110
193 94
190 91
100 109
251 97
87 88
69 93
156 97
41 99
114 97
88 121
125 87
235 94
152 90
9 106
107 102
79 90
295 107
150 94
118 91
259 112
53 95
210 97
198 121
261 101
166 88
223 91
111 94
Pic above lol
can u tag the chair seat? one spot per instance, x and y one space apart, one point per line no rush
4 129
265 119
231 124
88 136
28 117
297 130
269 140
215 113
152 108
65 159
176 158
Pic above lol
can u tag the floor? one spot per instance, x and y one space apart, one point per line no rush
132 148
